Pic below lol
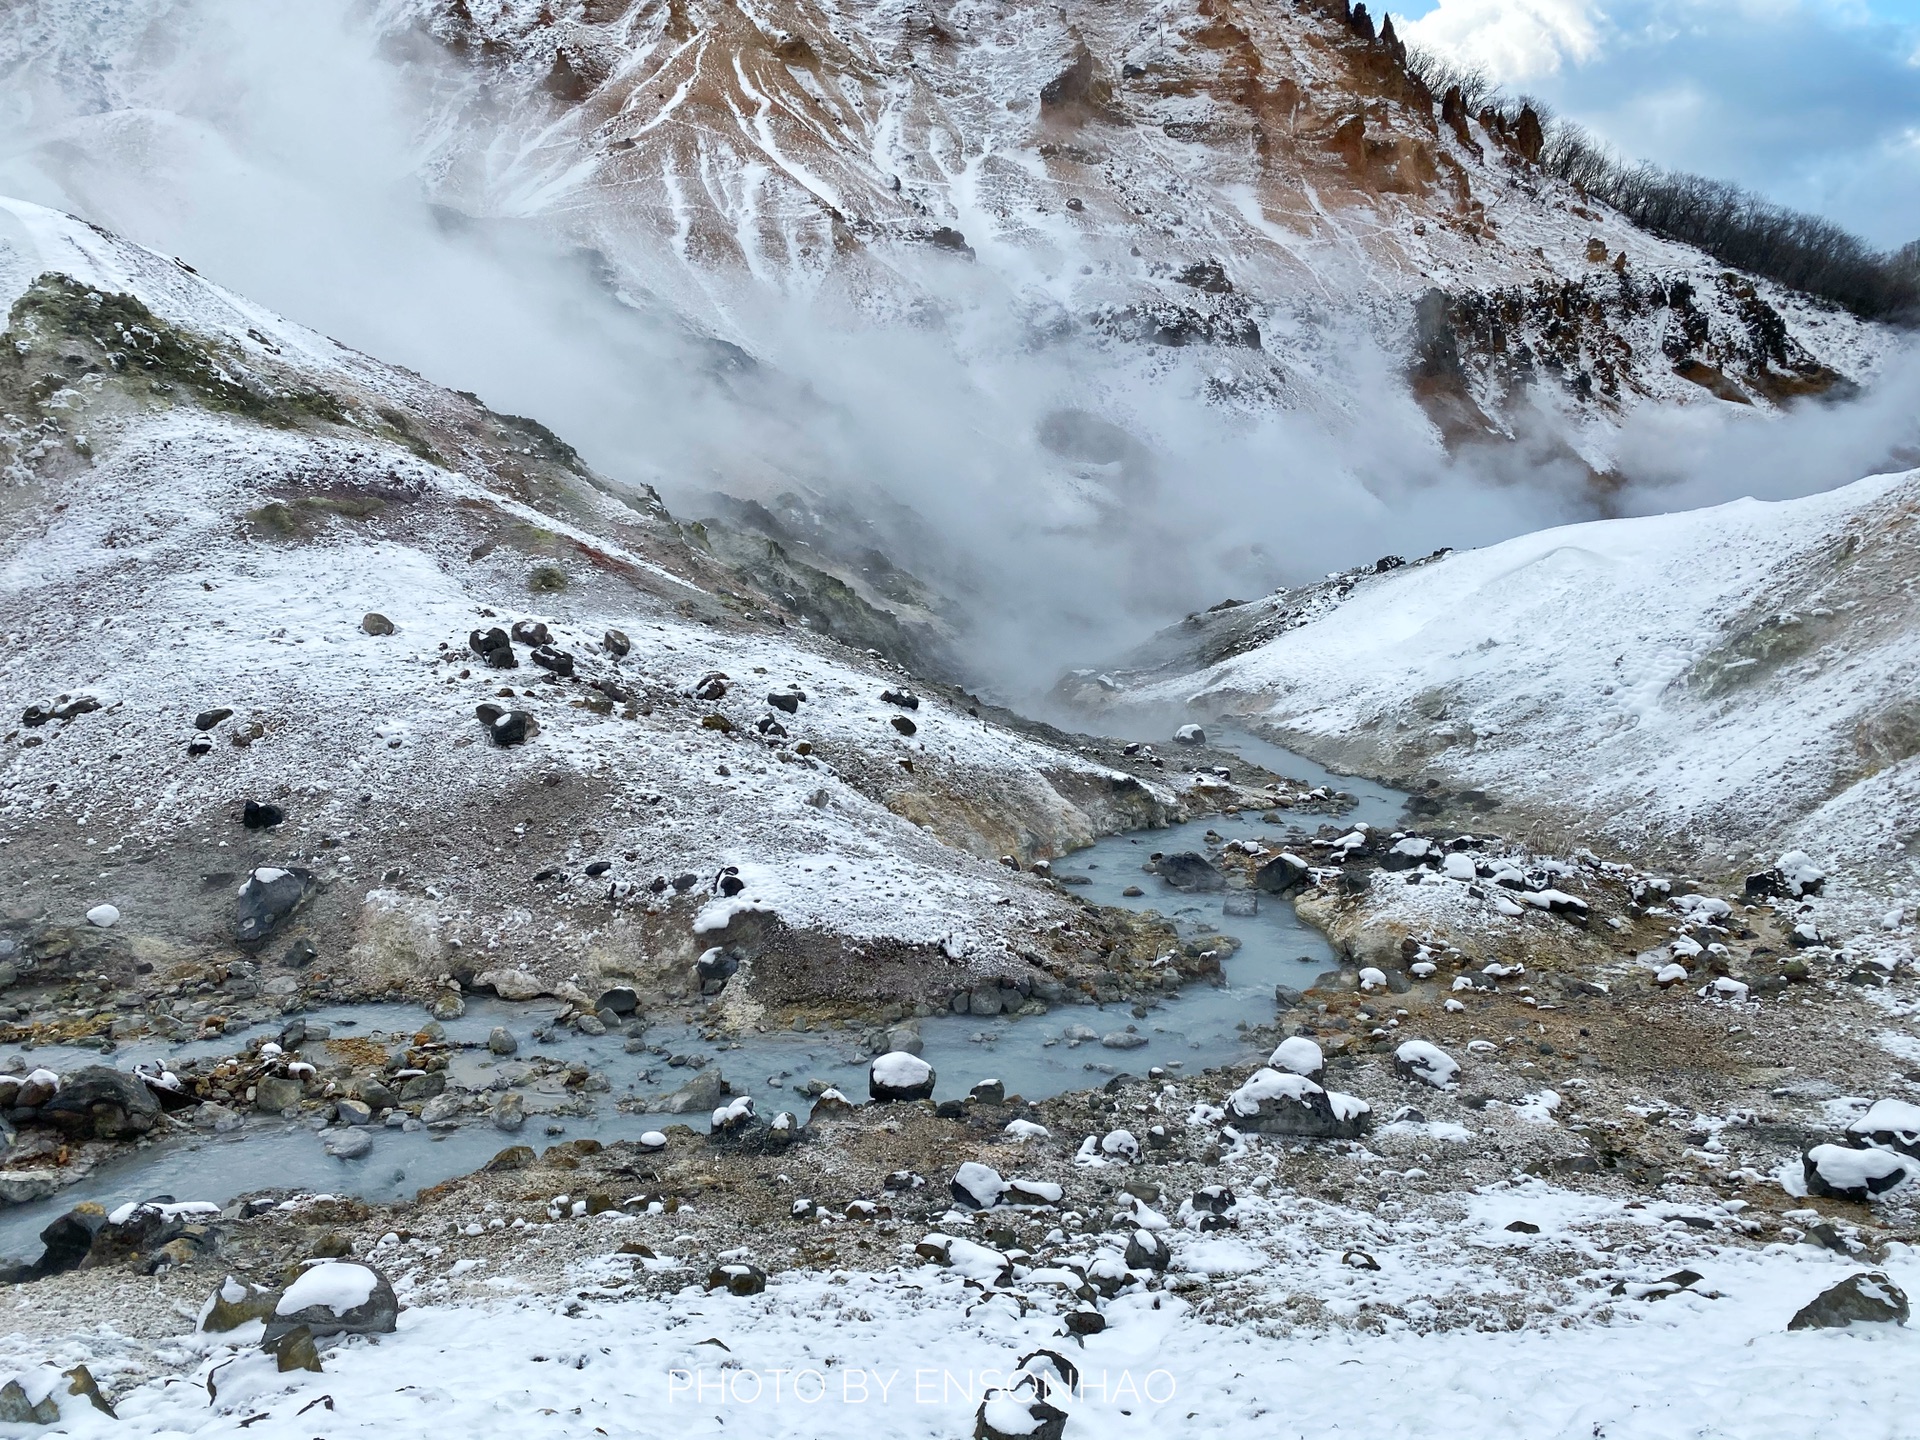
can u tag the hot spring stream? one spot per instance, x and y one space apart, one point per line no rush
1196 1027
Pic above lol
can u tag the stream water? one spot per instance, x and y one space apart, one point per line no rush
1201 1025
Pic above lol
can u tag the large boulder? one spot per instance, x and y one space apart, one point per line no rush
1281 874
1188 870
1839 1172
1868 1298
1427 1064
1018 1414
1275 1103
703 1092
977 1186
336 1297
1298 1055
897 1075
1890 1125
102 1103
268 898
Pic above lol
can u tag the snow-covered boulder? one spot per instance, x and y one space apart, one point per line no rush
1426 1063
1282 873
1121 1144
1867 1298
1190 735
1891 1125
1019 1413
336 1297
737 1278
1274 1103
899 1076
977 1186
1298 1055
1839 1172
1147 1251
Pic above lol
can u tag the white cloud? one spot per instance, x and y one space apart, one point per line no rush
1514 41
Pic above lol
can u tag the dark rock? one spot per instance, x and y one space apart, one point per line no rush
1868 1298
76 707
268 898
510 728
261 815
989 1092
17 1409
514 1157
737 1278
558 661
424 1087
1275 1104
903 725
599 867
787 700
1085 1322
711 686
102 1103
615 642
484 642
898 1076
207 719
301 953
532 633
501 657
375 1315
294 1350
67 1240
374 623
904 699
620 1000
1028 1415
1147 1251
1281 874
1189 870
34 716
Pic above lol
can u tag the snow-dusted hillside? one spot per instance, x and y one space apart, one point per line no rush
1715 684
211 510
1257 185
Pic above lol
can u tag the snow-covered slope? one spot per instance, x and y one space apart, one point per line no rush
1710 684
210 509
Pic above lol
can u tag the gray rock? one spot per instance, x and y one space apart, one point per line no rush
704 1092
349 1144
376 1094
16 1409
500 1041
510 1110
374 623
985 1001
1280 874
353 1112
376 1315
1867 1298
1147 1251
274 1093
423 1087
1123 1040
102 1103
906 1040
737 1279
22 1187
620 1000
589 1025
1036 1418
447 1006
268 898
442 1109
1188 870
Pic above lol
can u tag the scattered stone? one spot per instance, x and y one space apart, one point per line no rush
103 916
737 1278
1147 1251
1190 735
500 1041
17 1409
904 699
102 1103
442 1110
787 700
703 1092
1890 1125
1839 1172
510 984
1190 871
80 1381
268 898
23 1187
261 815
615 642
1299 1056
1275 1103
234 1304
350 1144
509 1110
1868 1298
295 1350
353 1112
374 623
1428 1064
899 1076
977 1186
557 661
903 725
989 1092
711 686
1018 1414
336 1297
1281 874
207 719
1128 1039
1085 1321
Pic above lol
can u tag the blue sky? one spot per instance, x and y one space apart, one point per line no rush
1815 103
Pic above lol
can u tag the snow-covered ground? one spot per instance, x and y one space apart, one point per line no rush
910 1351
1720 684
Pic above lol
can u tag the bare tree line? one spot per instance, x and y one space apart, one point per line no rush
1732 224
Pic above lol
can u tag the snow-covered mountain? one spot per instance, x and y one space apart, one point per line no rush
1716 685
246 567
